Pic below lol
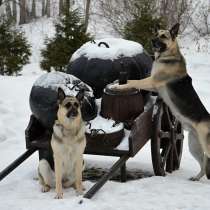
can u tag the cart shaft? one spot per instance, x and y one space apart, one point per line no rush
120 163
16 163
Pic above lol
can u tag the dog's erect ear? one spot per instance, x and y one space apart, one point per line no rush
80 95
61 95
174 31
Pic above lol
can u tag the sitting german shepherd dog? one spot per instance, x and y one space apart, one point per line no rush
68 144
170 79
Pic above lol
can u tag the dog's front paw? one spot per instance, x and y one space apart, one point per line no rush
119 87
194 179
79 192
45 189
59 196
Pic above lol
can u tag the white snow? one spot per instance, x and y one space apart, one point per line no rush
124 144
54 80
36 32
107 125
117 48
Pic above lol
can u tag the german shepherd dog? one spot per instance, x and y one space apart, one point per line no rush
68 143
170 79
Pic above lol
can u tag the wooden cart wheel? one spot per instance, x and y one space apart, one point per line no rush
166 141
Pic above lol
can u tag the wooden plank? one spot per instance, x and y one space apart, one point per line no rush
141 131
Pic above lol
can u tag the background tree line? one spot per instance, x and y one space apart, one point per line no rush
70 33
24 11
131 19
195 13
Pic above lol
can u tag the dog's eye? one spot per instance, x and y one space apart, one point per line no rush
163 36
68 105
76 104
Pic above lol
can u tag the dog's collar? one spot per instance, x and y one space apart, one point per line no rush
64 131
58 124
60 134
169 60
57 137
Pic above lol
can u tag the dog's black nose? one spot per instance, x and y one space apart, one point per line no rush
72 113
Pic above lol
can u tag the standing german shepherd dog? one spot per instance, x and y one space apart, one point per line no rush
170 79
68 143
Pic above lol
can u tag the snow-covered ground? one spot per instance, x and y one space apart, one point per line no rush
19 191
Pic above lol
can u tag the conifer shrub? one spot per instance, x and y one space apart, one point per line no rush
14 48
70 35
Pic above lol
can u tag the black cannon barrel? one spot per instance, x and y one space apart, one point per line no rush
43 97
98 65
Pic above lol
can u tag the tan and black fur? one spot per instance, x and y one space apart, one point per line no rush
170 79
68 143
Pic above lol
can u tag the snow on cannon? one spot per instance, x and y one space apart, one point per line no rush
100 62
117 123
43 97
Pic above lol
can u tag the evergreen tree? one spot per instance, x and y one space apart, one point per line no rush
141 28
14 49
70 35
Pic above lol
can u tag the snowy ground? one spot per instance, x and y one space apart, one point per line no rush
19 191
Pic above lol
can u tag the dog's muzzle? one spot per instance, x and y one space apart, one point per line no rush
158 45
72 113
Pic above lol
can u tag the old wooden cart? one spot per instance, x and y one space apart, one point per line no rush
156 123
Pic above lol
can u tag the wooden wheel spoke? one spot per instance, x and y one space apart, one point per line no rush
169 117
165 155
164 134
167 141
175 123
176 153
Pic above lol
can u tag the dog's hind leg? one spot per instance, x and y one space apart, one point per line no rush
46 177
198 154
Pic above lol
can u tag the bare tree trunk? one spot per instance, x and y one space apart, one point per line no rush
8 9
48 5
43 8
33 9
23 13
87 13
14 10
61 7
